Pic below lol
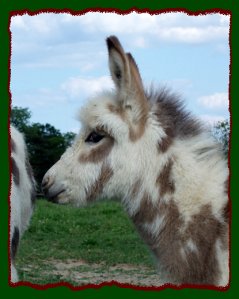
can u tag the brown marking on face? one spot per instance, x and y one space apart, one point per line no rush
97 188
118 110
164 180
15 172
13 146
98 152
137 131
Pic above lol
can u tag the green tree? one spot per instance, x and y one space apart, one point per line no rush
221 131
69 137
20 118
45 143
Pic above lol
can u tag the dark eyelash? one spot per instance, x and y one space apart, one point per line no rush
94 137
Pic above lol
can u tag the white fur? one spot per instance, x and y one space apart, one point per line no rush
20 198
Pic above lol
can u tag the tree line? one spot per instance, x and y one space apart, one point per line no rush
46 144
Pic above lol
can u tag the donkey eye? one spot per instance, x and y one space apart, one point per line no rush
94 137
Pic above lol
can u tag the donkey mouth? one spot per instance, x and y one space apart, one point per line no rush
54 194
56 197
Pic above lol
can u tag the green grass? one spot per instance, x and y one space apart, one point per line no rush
100 233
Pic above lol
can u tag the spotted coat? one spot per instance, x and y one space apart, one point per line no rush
143 148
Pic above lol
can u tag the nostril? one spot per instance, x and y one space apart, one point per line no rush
46 183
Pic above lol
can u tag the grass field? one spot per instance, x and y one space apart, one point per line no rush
68 244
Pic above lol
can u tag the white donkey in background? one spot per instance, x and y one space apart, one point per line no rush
22 197
142 147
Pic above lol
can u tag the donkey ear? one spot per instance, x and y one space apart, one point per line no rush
125 73
118 62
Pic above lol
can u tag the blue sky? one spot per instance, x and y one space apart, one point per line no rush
58 60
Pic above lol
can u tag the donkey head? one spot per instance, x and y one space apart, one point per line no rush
115 145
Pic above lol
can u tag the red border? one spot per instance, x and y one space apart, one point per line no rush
121 12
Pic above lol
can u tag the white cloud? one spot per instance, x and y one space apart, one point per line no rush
40 98
139 42
63 40
42 23
211 120
170 27
48 48
81 87
214 101
193 34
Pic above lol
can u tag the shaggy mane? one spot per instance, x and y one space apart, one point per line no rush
170 111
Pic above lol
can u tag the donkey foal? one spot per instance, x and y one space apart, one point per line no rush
144 148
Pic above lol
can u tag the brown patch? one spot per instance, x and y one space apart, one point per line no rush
204 229
118 110
15 242
167 244
226 209
97 188
193 267
135 189
137 131
226 186
164 179
226 212
13 146
147 211
196 267
164 144
15 172
98 152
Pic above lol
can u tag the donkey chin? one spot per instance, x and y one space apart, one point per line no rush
59 194
56 193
